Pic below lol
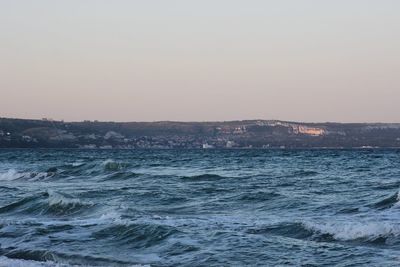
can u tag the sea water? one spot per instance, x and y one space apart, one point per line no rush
199 207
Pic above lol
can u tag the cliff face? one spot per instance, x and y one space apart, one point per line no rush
312 131
232 134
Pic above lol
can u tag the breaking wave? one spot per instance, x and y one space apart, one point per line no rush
375 231
111 165
8 262
13 174
41 259
50 202
363 232
58 200
109 168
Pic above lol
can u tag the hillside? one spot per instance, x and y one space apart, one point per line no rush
21 133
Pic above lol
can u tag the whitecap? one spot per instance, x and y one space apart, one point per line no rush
347 231
10 175
77 164
7 262
112 165
56 199
13 174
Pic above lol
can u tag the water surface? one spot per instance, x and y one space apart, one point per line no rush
199 207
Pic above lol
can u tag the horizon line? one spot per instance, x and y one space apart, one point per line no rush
193 121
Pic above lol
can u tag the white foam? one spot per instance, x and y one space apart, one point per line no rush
10 175
108 161
112 165
36 176
105 218
7 262
355 230
77 164
56 199
13 174
111 215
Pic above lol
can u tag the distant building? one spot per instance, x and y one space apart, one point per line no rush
230 144
207 146
113 135
240 130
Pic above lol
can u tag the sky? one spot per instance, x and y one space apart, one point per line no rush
208 60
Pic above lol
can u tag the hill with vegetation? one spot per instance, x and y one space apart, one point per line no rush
24 133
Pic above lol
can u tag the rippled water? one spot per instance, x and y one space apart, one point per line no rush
199 207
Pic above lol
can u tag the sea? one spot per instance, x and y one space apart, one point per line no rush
282 207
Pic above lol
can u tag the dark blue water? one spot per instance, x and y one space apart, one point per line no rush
199 208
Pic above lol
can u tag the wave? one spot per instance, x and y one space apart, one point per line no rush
61 201
13 174
16 205
50 203
77 164
80 169
71 170
288 229
22 258
203 177
376 231
10 175
388 202
8 262
122 176
109 169
363 232
136 235
111 165
258 196
6 188
387 186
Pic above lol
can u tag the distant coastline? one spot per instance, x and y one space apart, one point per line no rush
246 134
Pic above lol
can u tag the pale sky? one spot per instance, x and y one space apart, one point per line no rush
203 60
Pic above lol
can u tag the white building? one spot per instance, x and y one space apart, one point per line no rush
207 146
230 144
